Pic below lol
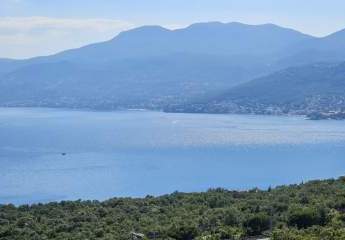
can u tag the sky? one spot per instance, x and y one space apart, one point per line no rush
31 28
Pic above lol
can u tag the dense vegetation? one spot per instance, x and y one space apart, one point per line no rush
314 210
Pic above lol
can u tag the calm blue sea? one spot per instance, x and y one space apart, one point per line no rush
53 154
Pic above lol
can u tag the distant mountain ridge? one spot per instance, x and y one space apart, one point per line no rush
210 38
327 49
153 67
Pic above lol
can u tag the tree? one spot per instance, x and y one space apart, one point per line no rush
304 217
257 223
183 230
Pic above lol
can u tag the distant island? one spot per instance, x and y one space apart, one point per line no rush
312 210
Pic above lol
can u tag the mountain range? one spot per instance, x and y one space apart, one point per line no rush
205 63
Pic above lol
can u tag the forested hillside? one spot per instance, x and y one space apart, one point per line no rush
314 210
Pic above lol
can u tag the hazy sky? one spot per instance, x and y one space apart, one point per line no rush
40 27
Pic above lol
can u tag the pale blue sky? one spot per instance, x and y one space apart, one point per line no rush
39 27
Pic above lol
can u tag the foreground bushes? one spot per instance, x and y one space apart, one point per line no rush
315 210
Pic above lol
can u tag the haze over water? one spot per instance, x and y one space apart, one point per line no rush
52 155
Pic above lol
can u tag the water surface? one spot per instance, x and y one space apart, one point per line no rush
52 155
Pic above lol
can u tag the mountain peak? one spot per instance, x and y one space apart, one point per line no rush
206 24
217 25
152 31
147 29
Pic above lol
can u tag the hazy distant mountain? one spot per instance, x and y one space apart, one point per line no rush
294 84
152 82
8 65
327 49
152 66
214 38
316 87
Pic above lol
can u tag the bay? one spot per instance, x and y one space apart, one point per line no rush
59 154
